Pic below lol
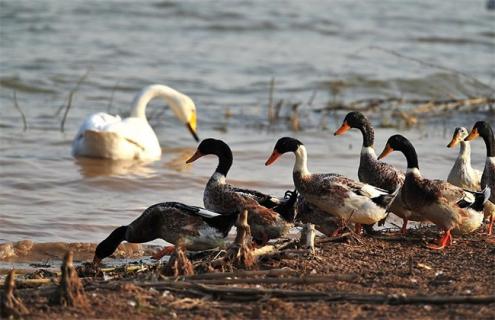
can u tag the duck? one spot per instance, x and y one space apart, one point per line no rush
484 130
102 135
333 194
198 229
375 172
462 173
219 196
440 202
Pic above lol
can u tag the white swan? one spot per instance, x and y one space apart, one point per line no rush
105 136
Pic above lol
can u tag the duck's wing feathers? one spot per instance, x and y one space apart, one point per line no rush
379 174
193 210
461 197
263 199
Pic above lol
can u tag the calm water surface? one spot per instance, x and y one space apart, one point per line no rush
223 54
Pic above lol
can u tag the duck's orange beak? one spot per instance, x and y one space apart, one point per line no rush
388 149
275 155
195 157
472 135
455 140
343 129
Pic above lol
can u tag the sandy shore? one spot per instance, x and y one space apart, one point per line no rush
380 276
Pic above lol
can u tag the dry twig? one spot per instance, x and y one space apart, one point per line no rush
179 264
70 291
71 95
18 108
11 305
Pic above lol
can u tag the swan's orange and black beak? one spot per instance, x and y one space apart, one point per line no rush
472 135
275 155
388 149
195 156
343 129
455 140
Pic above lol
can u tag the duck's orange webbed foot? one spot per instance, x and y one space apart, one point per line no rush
165 251
489 227
444 241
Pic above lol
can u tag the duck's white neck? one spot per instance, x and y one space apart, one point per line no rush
148 93
465 152
301 164
368 150
218 177
413 171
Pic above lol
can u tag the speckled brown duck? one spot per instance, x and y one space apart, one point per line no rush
375 172
199 229
438 201
221 197
484 130
333 194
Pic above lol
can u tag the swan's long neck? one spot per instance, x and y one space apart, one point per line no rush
148 93
301 164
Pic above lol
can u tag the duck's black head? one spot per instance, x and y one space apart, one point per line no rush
353 119
357 120
483 129
283 145
402 144
215 147
480 128
108 246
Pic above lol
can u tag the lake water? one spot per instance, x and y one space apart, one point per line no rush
223 55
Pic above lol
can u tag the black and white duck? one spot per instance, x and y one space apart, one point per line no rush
374 172
219 196
333 194
197 228
484 130
438 201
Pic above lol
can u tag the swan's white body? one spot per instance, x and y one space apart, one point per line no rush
106 136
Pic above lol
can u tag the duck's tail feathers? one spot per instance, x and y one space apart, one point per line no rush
223 222
475 200
385 199
287 208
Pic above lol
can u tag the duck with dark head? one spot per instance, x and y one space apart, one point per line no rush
199 229
333 194
219 196
484 130
438 201
375 172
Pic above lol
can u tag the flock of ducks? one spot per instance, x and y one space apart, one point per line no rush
328 200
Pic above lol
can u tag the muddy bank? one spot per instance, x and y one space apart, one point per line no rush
380 276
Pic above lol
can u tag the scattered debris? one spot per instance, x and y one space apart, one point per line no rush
179 264
11 305
70 292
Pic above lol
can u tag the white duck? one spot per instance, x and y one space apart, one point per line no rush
105 136
462 173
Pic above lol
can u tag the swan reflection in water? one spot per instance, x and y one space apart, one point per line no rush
93 167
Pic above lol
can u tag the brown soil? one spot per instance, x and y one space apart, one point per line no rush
403 267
